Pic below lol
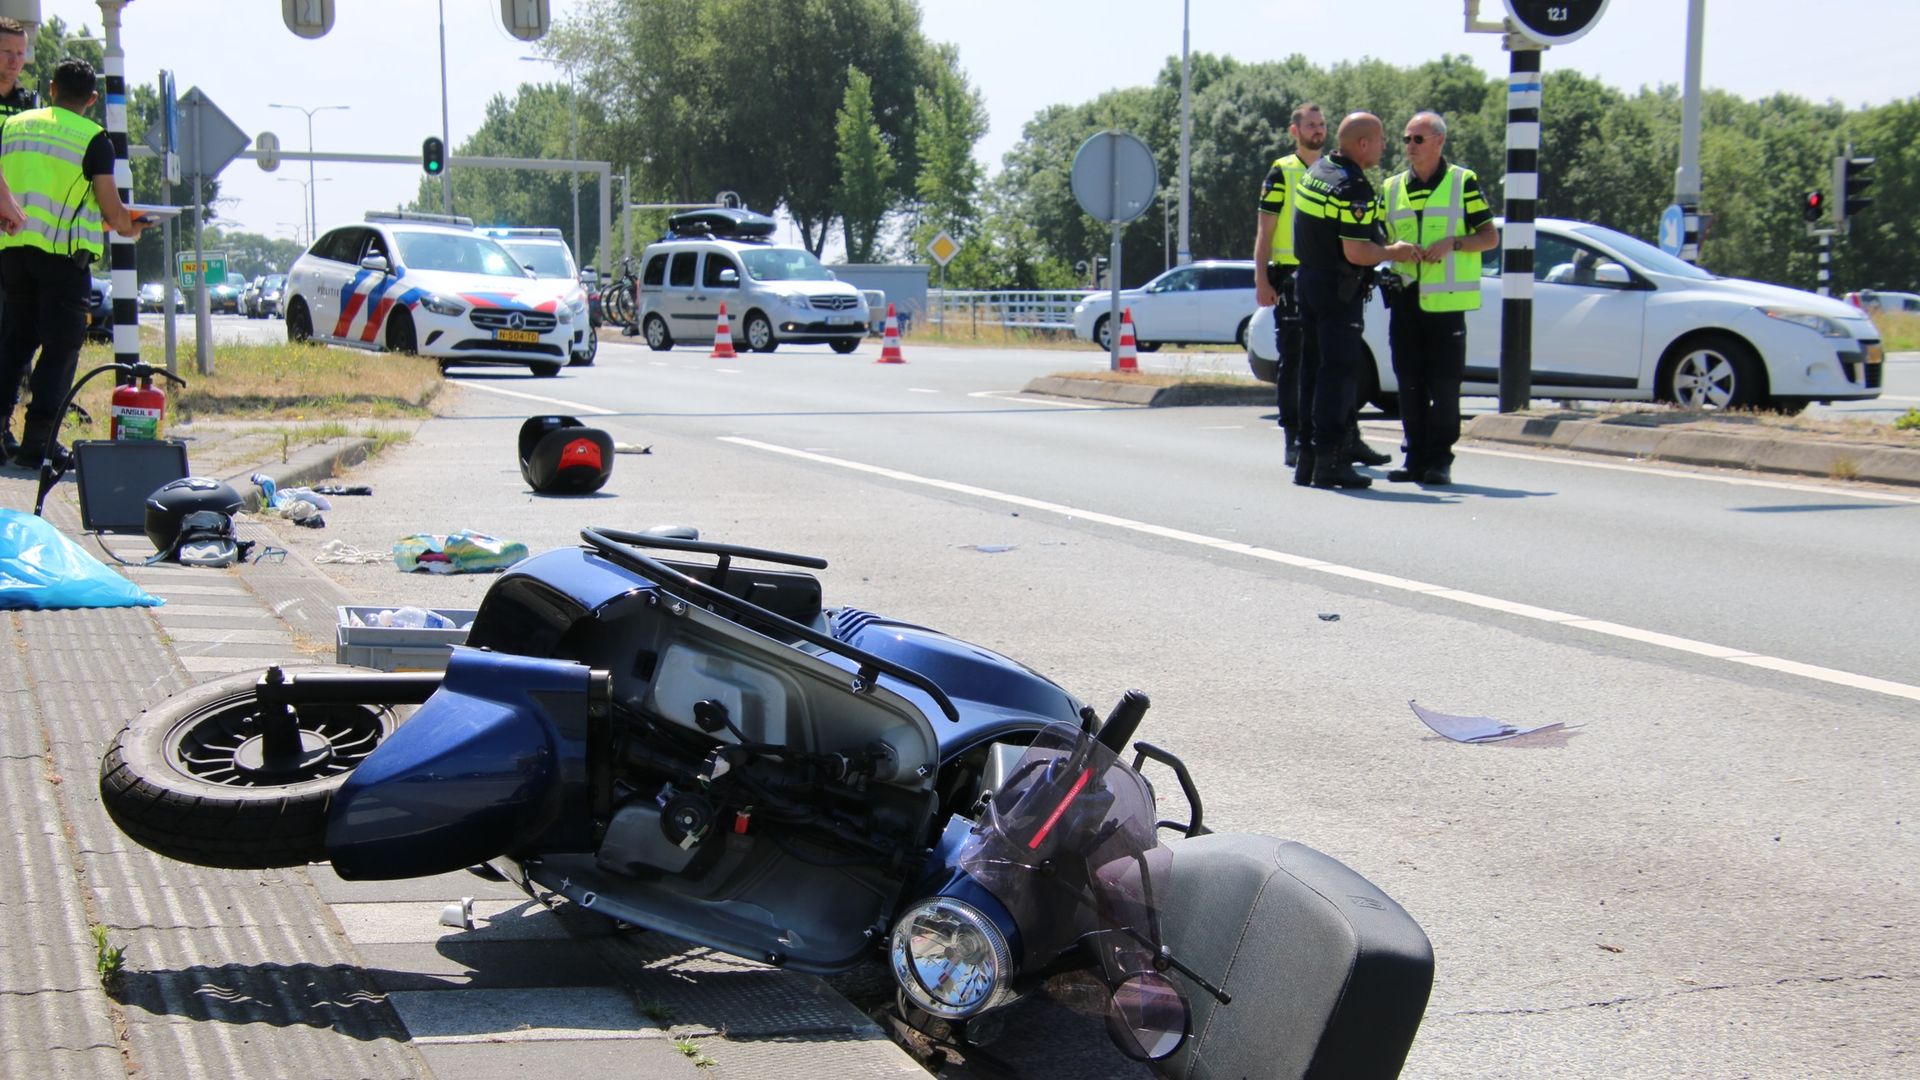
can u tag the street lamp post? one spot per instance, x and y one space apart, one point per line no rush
306 191
313 215
1186 128
573 142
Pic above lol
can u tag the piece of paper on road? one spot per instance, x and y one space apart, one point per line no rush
1473 729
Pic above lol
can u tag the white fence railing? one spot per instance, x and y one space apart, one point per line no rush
1049 309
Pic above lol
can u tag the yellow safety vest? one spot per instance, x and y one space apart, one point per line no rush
40 154
1453 284
1294 169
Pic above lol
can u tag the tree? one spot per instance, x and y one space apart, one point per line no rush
866 168
950 119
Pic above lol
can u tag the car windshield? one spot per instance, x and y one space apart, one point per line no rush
275 281
457 253
547 260
784 264
1648 256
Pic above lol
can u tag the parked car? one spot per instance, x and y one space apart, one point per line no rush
153 296
1200 303
774 293
426 284
1617 319
545 254
100 311
263 300
1876 302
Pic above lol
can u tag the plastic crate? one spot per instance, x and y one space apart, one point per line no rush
397 648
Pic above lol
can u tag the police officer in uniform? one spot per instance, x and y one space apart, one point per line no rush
14 98
1273 250
1339 237
59 166
1436 207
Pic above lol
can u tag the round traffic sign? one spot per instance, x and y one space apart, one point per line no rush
267 146
1673 229
1114 177
1555 22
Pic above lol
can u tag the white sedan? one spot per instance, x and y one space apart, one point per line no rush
1200 303
1617 319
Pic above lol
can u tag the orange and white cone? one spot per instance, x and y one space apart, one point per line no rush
722 338
890 341
1128 358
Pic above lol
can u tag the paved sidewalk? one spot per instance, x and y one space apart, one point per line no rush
295 973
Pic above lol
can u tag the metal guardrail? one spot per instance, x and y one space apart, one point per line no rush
1050 309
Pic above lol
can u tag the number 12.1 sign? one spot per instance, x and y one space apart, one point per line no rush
1555 22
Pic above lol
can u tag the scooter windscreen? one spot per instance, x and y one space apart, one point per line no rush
1068 847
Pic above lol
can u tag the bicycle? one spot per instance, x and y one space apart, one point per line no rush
618 300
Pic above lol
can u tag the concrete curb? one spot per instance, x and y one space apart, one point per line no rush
1639 439
308 465
1121 390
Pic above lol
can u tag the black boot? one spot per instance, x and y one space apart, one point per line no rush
1362 454
37 442
1335 473
1293 451
10 446
1303 466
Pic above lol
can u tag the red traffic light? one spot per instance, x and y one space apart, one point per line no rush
1812 204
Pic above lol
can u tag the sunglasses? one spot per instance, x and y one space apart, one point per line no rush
1417 140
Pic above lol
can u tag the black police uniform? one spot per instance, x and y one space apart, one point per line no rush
1335 203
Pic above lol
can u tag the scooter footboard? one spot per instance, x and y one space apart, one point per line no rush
1328 976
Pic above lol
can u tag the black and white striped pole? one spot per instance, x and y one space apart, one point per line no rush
1825 277
1516 257
120 251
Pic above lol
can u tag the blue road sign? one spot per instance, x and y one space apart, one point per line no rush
1673 229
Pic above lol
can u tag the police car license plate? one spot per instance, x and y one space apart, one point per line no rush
526 336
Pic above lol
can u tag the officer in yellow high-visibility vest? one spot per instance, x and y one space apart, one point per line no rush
1437 207
1274 286
59 166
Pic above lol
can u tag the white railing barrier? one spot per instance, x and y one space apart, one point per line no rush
1012 309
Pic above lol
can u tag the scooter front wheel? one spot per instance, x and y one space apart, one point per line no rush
200 779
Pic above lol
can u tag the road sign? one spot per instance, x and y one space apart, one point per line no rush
207 139
308 18
525 19
1555 22
212 264
1673 229
943 248
267 146
1114 177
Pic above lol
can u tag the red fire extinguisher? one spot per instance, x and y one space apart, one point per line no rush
136 410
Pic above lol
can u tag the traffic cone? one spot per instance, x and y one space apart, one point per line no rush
890 342
722 338
1129 355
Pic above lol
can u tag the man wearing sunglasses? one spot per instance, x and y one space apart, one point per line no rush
1339 237
1435 208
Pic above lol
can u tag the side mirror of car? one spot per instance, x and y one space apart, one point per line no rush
374 262
1612 274
730 277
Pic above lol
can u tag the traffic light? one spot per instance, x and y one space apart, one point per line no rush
1812 204
1850 183
433 155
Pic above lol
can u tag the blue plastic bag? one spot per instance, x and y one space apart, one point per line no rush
41 570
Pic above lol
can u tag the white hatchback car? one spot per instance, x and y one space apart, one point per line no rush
1617 319
545 254
1199 303
427 284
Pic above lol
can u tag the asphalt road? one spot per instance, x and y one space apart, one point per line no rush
1705 873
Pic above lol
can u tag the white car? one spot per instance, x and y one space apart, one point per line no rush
1617 319
1199 303
1876 302
545 254
426 284
773 293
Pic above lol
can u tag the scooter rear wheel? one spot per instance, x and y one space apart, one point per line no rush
189 778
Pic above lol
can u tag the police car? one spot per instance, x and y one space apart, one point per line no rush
427 284
545 254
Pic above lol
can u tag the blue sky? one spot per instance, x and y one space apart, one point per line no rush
382 59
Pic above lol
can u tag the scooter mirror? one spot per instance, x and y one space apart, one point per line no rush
1147 1017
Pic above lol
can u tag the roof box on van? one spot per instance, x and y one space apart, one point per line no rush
717 221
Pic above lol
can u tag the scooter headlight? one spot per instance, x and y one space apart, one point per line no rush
949 959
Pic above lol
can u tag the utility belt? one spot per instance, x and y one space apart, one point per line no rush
1356 283
1280 275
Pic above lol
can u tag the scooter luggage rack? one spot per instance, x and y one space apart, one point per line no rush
618 545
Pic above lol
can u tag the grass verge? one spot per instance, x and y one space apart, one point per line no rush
1899 331
296 383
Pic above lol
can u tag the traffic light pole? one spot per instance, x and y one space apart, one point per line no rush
1825 277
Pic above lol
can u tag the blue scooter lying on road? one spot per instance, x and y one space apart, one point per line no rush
703 749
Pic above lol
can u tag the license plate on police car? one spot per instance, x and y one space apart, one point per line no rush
525 336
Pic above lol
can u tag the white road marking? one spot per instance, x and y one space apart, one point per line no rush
1848 679
1018 398
920 390
571 405
1688 474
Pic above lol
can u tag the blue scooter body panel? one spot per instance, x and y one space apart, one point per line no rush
493 763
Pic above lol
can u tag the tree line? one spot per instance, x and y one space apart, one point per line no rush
842 113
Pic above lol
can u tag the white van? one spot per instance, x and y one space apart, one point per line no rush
774 293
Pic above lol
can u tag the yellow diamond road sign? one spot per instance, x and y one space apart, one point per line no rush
943 248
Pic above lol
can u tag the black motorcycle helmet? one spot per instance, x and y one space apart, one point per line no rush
561 456
174 501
